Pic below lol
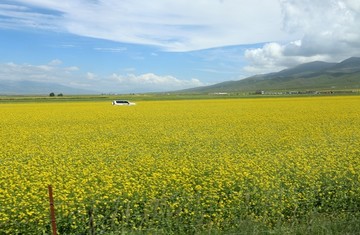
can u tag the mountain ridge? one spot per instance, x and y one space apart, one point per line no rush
312 75
307 76
25 87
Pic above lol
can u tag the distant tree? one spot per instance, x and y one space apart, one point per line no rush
61 94
52 94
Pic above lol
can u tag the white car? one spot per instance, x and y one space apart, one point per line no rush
122 102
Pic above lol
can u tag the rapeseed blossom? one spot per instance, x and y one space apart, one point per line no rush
177 164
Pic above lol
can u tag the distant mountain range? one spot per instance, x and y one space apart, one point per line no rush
8 87
309 76
315 75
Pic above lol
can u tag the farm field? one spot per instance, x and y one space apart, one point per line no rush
250 166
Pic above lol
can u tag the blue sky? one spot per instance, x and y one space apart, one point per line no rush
132 46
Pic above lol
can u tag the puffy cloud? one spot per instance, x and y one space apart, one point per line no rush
55 62
353 5
70 76
151 82
294 31
91 76
272 57
330 32
50 72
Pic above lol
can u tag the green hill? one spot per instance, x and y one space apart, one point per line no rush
316 75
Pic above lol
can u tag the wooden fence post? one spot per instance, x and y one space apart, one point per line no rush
91 221
52 211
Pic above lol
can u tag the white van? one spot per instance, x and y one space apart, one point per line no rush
122 102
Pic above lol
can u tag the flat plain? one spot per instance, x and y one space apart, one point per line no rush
254 166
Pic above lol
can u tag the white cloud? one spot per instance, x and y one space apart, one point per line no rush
151 82
330 31
71 68
51 72
353 5
272 57
178 25
15 16
291 31
111 49
70 76
55 62
91 76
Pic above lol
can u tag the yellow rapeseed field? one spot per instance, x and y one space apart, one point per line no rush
177 166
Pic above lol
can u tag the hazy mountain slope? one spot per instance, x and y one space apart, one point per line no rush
313 75
39 88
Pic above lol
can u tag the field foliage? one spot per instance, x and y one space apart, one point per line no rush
181 167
